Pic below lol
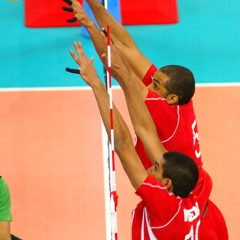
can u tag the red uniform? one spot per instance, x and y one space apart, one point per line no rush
176 127
177 130
162 215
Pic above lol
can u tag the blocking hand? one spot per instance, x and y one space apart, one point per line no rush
86 67
80 15
69 9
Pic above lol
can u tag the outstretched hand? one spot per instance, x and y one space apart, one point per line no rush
80 14
86 67
69 9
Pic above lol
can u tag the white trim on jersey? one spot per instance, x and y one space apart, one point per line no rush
178 109
133 214
178 120
170 193
155 99
150 233
156 186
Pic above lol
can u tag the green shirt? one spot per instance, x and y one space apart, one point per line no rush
5 202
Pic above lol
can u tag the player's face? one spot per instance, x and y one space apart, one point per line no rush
156 170
158 84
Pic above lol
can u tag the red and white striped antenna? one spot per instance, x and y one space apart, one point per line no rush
113 196
109 168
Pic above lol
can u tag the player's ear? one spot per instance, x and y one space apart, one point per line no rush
168 184
172 99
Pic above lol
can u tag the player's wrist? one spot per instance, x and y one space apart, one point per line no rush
90 24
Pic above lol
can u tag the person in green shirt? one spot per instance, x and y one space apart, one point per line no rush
5 212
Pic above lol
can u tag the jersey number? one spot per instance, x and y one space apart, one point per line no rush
190 235
195 139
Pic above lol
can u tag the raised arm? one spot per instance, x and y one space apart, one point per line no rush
140 116
122 137
95 35
87 22
121 38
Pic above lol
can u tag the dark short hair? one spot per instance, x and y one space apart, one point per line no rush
181 82
183 172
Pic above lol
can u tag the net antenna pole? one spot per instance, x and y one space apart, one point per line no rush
113 195
108 156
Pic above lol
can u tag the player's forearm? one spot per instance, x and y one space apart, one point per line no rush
119 34
121 131
85 21
5 230
96 37
141 119
140 116
138 82
123 144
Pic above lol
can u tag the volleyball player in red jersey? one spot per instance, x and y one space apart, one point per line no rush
181 134
168 98
168 209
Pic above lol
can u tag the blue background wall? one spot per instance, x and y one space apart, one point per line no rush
206 40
